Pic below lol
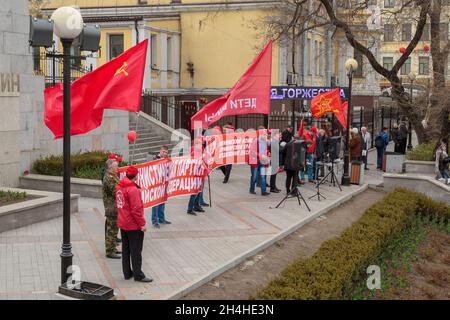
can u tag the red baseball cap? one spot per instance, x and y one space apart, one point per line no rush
132 171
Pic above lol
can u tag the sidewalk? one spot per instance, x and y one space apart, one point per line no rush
177 256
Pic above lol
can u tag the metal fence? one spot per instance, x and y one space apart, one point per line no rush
50 66
177 115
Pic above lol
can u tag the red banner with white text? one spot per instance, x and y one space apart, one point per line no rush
231 148
165 178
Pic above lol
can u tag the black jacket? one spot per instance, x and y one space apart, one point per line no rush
286 136
291 157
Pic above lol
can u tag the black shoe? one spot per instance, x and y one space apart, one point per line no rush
204 204
157 226
265 193
366 168
144 280
252 192
275 190
118 252
118 240
199 209
166 222
191 212
114 256
129 277
225 181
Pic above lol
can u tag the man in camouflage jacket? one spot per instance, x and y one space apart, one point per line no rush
110 181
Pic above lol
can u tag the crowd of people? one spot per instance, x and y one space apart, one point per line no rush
124 209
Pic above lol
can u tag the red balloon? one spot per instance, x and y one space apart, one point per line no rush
132 136
426 48
402 50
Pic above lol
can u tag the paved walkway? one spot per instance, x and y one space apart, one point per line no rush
175 256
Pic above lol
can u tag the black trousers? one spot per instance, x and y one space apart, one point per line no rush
132 242
226 171
273 181
291 180
402 146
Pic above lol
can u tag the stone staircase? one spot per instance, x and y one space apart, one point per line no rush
149 140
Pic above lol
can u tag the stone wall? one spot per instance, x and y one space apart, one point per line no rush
14 61
23 134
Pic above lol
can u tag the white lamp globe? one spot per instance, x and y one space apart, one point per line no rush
351 63
68 22
412 76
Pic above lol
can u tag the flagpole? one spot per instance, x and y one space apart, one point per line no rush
135 130
209 190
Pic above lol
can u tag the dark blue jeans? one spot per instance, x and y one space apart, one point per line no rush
158 214
258 174
194 201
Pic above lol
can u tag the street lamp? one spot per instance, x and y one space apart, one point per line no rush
412 77
68 24
350 65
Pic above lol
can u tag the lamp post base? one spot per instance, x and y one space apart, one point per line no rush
345 180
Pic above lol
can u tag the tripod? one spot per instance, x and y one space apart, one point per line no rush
318 193
334 179
294 194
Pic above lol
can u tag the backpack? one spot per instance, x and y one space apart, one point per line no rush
379 141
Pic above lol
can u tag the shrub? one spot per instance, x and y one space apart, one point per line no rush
341 262
422 152
87 165
8 196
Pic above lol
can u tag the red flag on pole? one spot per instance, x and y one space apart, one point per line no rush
114 85
342 115
251 94
326 102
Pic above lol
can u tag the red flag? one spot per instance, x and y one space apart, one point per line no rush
326 102
251 94
301 126
114 85
342 115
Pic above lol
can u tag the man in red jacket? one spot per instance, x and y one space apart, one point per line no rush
131 222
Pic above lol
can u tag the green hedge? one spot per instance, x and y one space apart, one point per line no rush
422 152
87 165
341 262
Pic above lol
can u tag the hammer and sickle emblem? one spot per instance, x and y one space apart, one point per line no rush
122 70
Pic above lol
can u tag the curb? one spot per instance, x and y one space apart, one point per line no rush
244 256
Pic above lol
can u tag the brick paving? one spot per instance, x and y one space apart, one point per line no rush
175 256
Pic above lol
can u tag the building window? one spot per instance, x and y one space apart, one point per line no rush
308 58
75 52
443 31
424 65
154 52
426 33
388 62
407 3
406 32
406 67
359 58
316 57
388 32
169 54
372 2
389 3
321 60
115 45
